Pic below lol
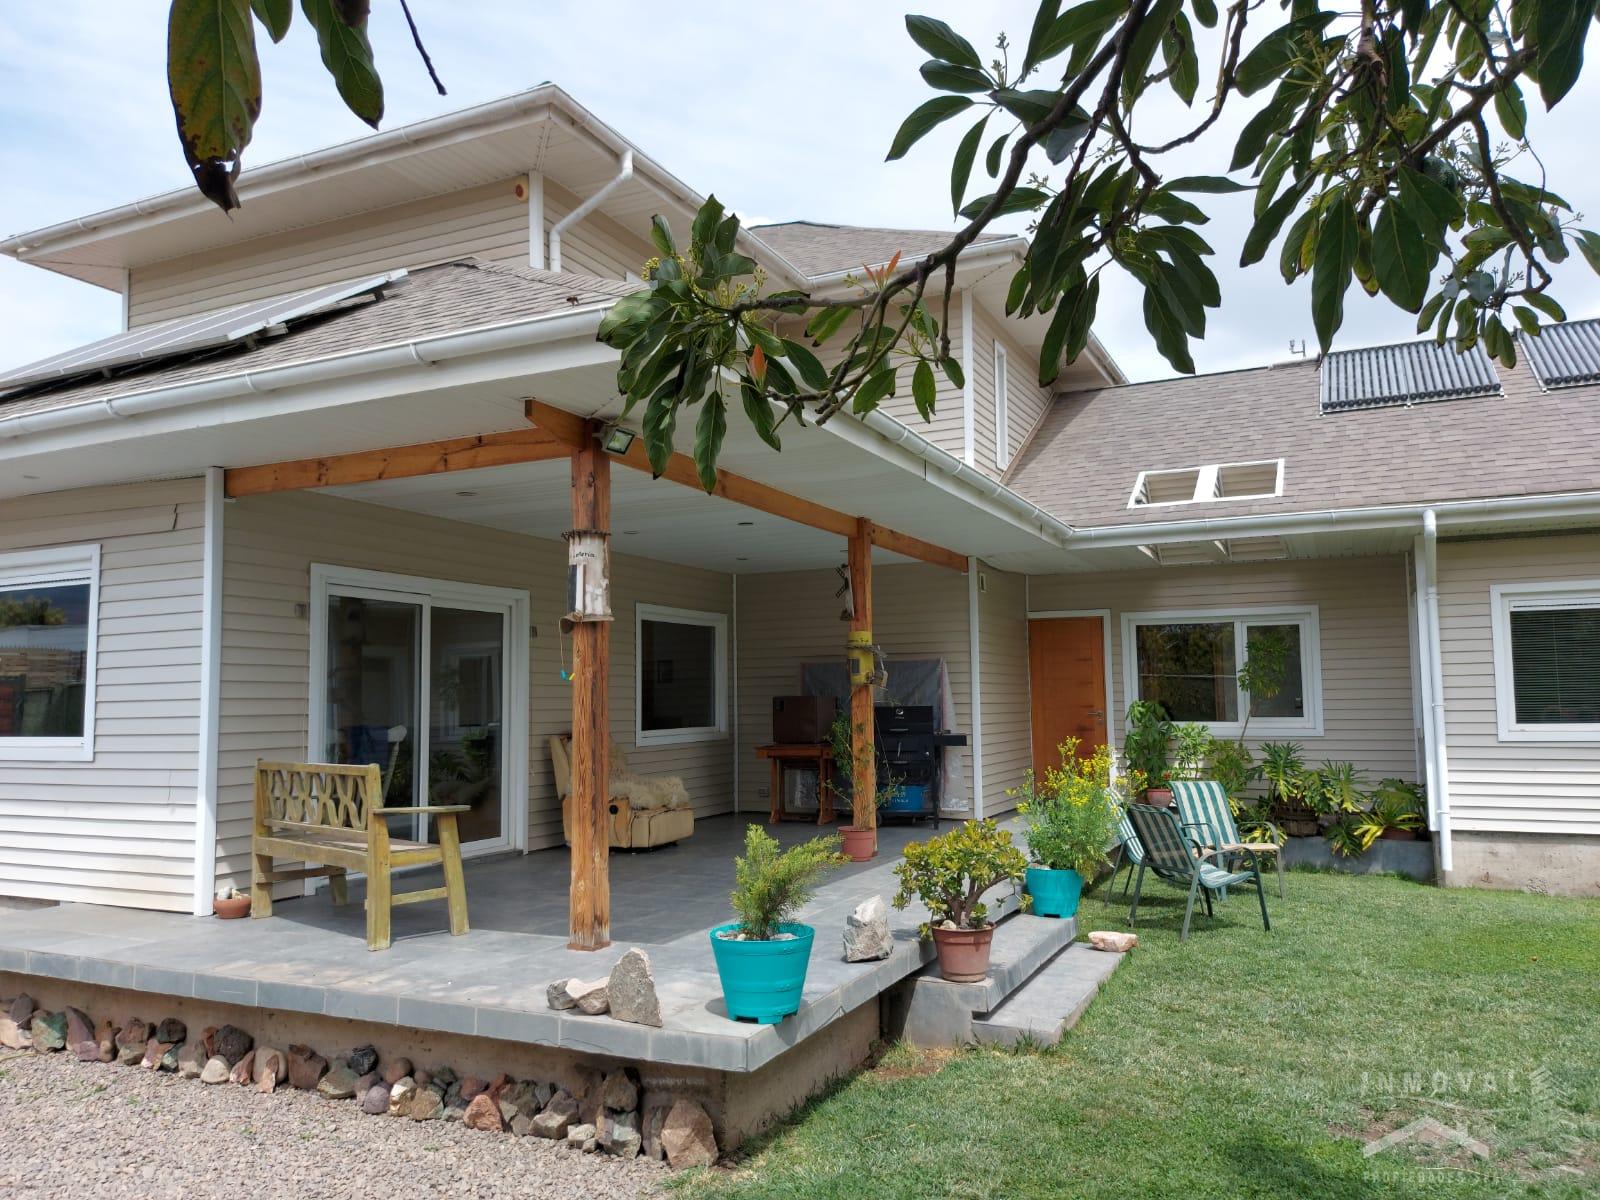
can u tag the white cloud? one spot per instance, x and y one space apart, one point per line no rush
782 108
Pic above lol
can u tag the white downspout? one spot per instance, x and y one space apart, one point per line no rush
536 220
1441 761
975 701
1424 677
587 207
205 823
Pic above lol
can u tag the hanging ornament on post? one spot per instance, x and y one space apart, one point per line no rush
588 577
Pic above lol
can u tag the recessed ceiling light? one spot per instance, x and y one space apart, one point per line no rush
747 522
629 532
465 495
35 477
741 558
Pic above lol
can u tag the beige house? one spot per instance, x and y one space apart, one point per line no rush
299 503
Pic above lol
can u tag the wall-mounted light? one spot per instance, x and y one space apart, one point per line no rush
618 440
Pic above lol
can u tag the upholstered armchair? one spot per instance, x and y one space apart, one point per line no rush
645 810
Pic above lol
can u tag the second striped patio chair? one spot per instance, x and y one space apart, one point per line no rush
1203 808
1174 855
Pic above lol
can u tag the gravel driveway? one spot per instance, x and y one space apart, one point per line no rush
88 1130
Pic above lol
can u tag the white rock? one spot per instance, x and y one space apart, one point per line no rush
1119 943
631 990
591 997
866 932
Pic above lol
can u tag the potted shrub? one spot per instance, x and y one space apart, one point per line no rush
860 841
762 957
949 874
1072 819
1396 811
1146 739
1285 772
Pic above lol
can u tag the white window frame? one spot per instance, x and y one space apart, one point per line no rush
58 566
718 622
1307 617
1002 407
1504 598
1205 484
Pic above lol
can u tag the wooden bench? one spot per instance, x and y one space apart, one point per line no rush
332 814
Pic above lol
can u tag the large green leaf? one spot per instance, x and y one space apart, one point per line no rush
709 431
1268 223
1332 269
1400 257
1276 53
1077 25
1022 199
214 79
660 420
275 15
347 54
1215 184
939 40
759 412
961 165
1559 32
812 372
947 77
924 391
1177 51
1168 332
925 117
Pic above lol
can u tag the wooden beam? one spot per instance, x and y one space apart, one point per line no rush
397 462
864 773
759 496
589 898
559 423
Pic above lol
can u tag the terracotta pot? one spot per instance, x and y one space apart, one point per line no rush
1399 835
963 953
232 908
1158 797
859 844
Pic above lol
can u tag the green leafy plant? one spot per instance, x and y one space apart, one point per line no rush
1191 750
1255 821
1394 805
1284 769
844 765
1333 788
1232 765
951 872
1264 671
1146 742
1071 812
770 886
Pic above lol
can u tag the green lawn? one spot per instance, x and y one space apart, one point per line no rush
1246 1064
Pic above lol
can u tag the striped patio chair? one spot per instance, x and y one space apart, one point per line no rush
1173 854
1128 853
1203 806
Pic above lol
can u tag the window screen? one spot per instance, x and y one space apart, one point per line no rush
1555 654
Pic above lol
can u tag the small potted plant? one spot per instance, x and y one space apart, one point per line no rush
1072 819
762 957
1191 746
860 840
950 874
1395 812
1146 742
1284 769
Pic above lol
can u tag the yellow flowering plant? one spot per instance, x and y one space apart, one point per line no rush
1071 811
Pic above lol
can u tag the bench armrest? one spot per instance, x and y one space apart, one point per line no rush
424 808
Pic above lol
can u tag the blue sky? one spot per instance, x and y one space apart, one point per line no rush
784 109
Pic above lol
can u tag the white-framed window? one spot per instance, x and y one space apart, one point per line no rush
1002 408
1189 662
681 692
1547 661
49 610
1259 480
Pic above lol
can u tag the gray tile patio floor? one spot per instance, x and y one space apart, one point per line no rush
491 982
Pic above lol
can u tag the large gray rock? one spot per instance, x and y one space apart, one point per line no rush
232 1043
339 1083
272 1068
653 1111
687 1137
590 997
618 1134
216 1070
558 996
376 1102
866 932
620 1093
550 1124
192 1059
21 1010
49 1032
81 1039
631 990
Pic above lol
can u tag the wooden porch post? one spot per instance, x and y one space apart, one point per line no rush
864 775
589 901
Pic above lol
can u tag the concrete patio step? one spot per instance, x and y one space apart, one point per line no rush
930 1011
1050 1003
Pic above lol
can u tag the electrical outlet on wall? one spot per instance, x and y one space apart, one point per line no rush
764 792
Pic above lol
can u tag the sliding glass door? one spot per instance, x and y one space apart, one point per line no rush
428 679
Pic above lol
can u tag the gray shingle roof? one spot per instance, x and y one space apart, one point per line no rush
1087 452
447 298
819 249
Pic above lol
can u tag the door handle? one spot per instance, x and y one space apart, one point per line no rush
1097 712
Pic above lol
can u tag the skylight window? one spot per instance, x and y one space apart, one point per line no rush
1403 375
1257 480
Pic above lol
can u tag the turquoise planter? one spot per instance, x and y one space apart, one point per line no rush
763 981
1055 893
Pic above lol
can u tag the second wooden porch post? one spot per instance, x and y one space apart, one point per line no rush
589 902
864 772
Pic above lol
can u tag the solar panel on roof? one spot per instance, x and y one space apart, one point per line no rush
1565 355
1410 373
188 335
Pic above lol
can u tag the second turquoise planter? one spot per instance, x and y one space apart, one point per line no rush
1055 893
763 981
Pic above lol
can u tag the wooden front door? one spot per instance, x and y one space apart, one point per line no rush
1067 676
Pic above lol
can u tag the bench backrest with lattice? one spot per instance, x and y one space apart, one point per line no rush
313 797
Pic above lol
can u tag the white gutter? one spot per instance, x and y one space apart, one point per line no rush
975 700
205 823
1377 517
1424 677
1440 796
418 352
967 478
622 176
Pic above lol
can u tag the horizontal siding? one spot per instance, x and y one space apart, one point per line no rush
1365 634
1026 400
270 544
787 619
119 829
1003 685
488 222
1533 787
